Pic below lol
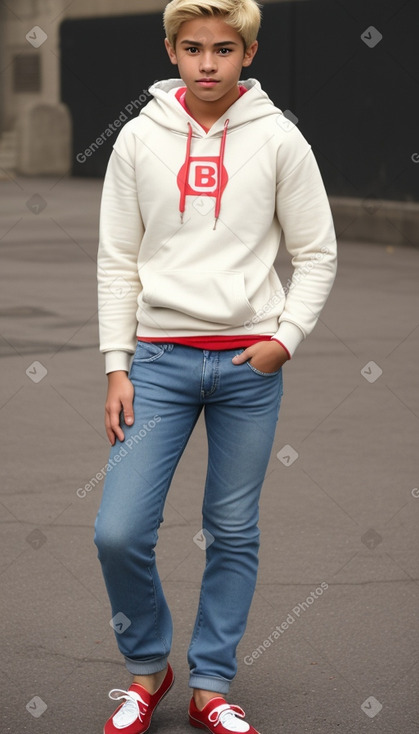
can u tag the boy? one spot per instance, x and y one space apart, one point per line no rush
197 192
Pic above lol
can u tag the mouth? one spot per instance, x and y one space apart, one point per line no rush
207 82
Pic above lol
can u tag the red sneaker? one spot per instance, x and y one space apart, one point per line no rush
134 716
219 717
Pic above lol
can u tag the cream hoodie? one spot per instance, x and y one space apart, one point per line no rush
191 222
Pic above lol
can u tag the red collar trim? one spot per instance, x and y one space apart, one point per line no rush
180 96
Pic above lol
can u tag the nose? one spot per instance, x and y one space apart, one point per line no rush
208 64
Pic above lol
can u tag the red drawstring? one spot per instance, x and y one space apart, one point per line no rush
182 204
220 173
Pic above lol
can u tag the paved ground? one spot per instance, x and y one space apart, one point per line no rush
340 516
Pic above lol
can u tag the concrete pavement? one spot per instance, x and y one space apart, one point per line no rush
331 643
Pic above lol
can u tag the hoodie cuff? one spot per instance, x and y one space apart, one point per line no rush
117 360
289 335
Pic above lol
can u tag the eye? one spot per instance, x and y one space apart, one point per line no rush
192 50
224 51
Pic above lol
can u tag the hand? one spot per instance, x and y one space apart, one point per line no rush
120 398
265 356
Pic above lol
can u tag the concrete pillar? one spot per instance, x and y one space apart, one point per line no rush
44 140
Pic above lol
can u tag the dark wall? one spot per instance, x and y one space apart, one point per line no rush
356 102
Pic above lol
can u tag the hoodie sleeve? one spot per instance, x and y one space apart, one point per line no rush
120 234
304 213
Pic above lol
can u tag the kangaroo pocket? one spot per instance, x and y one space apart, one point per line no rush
217 297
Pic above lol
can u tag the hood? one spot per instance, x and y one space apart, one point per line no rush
166 111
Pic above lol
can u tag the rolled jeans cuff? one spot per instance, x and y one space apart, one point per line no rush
207 683
146 667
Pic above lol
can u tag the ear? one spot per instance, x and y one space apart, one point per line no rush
171 52
250 53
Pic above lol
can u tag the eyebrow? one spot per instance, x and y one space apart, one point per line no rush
220 44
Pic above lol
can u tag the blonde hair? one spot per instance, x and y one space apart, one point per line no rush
242 15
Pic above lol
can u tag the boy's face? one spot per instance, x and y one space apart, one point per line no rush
210 55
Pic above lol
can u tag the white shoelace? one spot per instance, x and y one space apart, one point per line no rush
134 707
226 715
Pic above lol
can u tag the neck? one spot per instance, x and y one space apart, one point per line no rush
207 113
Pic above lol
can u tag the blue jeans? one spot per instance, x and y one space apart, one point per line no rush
172 384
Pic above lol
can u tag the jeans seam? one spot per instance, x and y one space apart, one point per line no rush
201 594
156 525
155 605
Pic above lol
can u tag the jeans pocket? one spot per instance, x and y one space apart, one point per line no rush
263 374
258 372
148 352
